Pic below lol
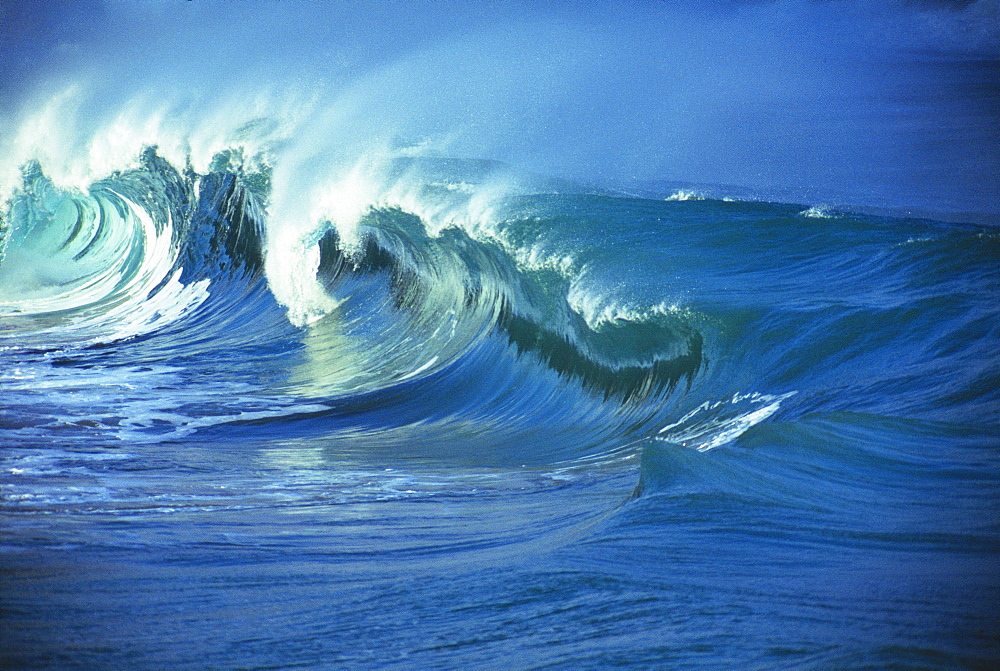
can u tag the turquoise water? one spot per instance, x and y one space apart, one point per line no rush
274 396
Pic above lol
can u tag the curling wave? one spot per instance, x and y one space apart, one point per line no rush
175 264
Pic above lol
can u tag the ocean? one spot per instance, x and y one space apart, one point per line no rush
364 364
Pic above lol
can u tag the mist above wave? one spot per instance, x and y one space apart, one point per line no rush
769 95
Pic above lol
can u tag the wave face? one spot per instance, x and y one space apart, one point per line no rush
154 264
288 379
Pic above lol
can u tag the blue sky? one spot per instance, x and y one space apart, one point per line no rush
894 102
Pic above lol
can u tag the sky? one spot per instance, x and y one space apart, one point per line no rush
888 103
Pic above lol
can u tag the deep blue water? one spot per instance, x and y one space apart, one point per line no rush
280 390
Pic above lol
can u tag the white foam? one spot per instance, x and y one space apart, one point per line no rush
819 212
142 310
80 137
153 421
341 197
713 424
685 195
599 309
431 362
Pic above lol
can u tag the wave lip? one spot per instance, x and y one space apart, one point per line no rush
101 264
478 286
134 253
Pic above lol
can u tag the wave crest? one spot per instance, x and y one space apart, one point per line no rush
453 290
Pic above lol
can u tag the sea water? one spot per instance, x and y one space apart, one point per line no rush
284 385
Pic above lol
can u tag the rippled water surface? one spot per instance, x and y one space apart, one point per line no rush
309 379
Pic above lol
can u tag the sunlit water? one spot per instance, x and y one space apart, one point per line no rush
280 389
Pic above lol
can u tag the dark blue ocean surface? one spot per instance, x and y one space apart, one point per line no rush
302 376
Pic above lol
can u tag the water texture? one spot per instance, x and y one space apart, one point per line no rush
354 358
